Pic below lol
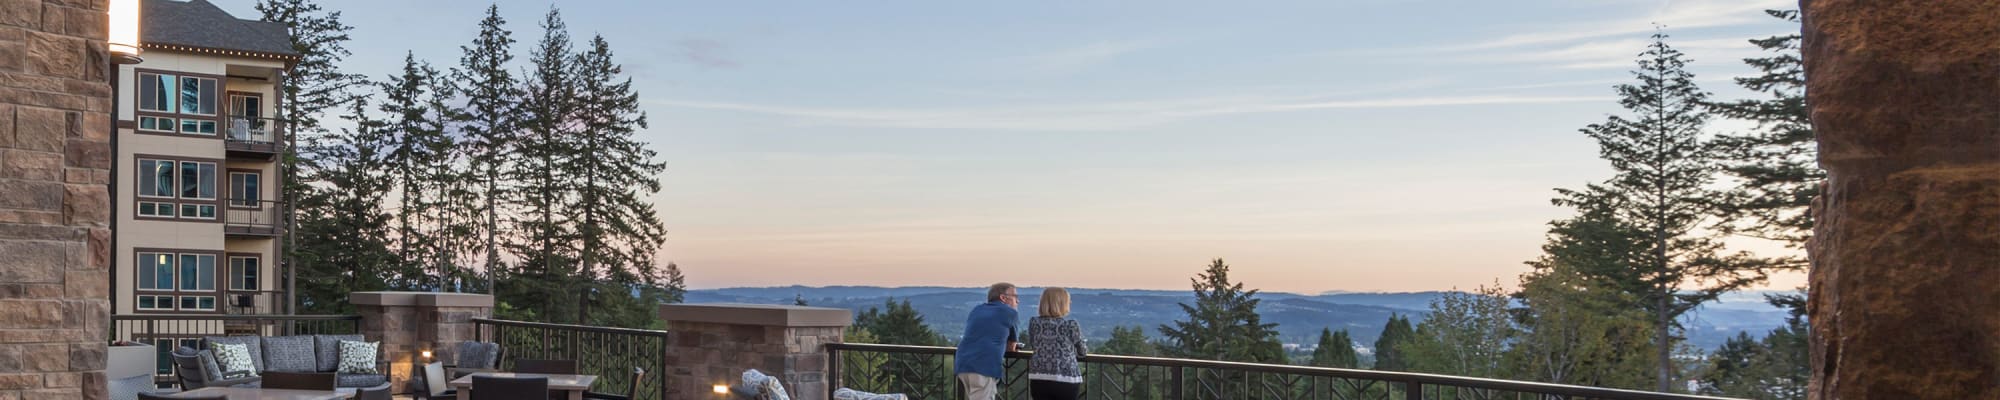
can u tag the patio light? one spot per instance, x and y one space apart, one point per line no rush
721 389
124 31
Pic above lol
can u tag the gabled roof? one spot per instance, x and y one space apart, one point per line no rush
198 26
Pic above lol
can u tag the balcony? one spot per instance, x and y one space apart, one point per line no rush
255 138
253 219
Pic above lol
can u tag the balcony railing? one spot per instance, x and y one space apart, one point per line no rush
609 353
252 218
255 137
170 331
925 372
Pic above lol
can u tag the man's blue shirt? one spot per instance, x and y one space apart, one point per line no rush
987 330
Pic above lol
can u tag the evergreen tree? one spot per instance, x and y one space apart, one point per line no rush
1465 334
1578 329
488 122
313 86
1396 336
1223 323
900 323
421 160
1776 168
1774 368
611 174
1336 350
547 261
346 245
799 299
1128 342
1661 186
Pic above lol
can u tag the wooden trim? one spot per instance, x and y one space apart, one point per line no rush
222 268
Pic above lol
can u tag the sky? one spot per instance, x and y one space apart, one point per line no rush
1365 145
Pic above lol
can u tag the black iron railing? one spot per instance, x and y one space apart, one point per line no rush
252 217
169 331
254 135
609 353
925 372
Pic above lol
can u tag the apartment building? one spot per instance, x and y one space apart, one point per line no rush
198 227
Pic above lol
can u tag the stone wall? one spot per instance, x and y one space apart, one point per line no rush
1905 274
714 343
408 323
55 134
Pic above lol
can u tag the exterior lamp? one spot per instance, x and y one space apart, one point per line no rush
124 33
721 389
427 354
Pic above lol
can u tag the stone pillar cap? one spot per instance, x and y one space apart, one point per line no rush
431 299
756 314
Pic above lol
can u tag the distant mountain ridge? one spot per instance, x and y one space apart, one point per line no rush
1299 316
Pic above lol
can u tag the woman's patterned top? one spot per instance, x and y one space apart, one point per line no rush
1057 344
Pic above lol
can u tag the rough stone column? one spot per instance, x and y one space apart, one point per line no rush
55 135
714 343
410 322
1905 99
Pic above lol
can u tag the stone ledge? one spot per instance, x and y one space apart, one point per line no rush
420 299
756 314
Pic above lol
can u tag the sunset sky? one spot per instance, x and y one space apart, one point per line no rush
1316 145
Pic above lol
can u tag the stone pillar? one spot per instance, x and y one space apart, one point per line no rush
55 141
714 343
408 323
1905 99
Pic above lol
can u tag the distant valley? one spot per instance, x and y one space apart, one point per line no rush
1299 316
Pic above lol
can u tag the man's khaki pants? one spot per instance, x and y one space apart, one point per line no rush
979 387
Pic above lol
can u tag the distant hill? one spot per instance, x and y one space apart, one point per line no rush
1299 317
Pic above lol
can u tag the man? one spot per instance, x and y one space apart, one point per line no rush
989 335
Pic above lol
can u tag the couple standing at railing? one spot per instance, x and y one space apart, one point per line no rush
1053 372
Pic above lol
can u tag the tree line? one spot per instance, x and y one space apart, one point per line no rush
1603 305
486 176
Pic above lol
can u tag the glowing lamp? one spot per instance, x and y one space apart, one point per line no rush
427 354
721 389
124 33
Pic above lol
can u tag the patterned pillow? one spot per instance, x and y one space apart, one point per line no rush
326 351
851 394
358 357
767 386
289 354
235 358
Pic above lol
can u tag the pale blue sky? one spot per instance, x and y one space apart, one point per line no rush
1316 145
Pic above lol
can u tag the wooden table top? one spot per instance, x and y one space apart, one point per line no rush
237 393
556 381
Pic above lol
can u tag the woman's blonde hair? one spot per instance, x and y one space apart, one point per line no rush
1055 302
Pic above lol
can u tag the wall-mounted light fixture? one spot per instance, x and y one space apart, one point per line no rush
124 38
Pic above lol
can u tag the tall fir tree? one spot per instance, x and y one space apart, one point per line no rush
1335 350
1776 168
314 86
900 323
345 242
546 259
1663 170
612 173
488 120
421 160
1223 323
1126 341
1396 336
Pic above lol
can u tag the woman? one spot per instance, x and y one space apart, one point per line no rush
1058 341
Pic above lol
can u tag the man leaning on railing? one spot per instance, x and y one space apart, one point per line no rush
989 335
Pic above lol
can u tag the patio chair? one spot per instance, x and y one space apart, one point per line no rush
375 393
432 383
300 381
566 367
164 396
497 388
470 357
631 391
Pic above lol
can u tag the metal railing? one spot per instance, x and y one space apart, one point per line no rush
170 331
262 135
252 217
925 372
609 353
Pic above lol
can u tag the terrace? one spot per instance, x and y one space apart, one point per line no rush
710 345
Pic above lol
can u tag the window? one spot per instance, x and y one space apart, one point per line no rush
170 281
175 94
245 189
163 181
243 273
246 106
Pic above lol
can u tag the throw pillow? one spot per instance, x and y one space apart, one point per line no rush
358 357
767 386
234 359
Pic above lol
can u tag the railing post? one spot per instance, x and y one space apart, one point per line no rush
1174 380
1413 390
832 370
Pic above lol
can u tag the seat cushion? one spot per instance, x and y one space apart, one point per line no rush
254 343
289 354
359 380
326 350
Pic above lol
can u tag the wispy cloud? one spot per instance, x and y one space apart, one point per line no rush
1110 116
1685 14
706 53
1082 57
1619 53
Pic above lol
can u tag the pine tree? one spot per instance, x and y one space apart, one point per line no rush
421 159
1776 168
1128 342
313 86
345 246
1465 334
1336 350
488 121
900 323
546 267
1663 170
1223 323
611 174
1396 335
